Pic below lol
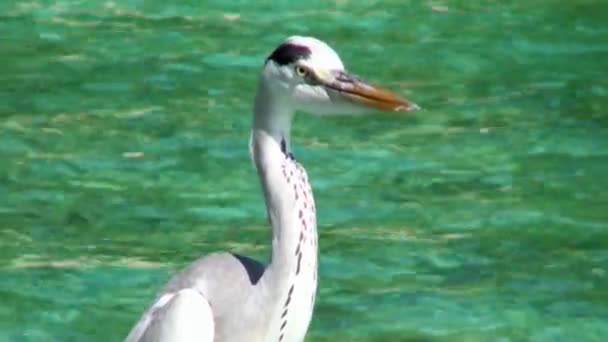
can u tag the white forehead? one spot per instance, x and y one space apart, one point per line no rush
321 54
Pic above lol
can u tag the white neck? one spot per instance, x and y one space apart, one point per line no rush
292 270
270 142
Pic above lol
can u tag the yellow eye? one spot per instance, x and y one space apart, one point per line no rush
301 71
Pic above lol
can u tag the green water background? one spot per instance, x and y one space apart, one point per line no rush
123 156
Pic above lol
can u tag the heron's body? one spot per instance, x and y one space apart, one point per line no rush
225 297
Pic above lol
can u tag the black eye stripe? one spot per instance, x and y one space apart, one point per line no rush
289 53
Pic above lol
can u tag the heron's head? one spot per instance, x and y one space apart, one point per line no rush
308 75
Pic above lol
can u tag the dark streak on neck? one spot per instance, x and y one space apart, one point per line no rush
284 150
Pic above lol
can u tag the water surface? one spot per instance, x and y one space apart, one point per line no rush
123 145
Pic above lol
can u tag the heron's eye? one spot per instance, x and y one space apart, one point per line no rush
301 71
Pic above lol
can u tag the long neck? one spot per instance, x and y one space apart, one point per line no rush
289 200
270 144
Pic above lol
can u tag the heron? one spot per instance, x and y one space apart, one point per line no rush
227 297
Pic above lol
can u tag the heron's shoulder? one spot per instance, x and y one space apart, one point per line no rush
204 272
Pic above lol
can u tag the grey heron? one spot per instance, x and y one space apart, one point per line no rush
225 297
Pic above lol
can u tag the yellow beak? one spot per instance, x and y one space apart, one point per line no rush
363 93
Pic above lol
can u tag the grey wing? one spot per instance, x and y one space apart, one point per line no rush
184 309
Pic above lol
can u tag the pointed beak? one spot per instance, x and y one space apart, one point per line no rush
362 93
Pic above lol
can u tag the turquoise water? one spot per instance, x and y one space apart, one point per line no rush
483 217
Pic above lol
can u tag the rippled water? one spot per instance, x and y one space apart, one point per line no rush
123 139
